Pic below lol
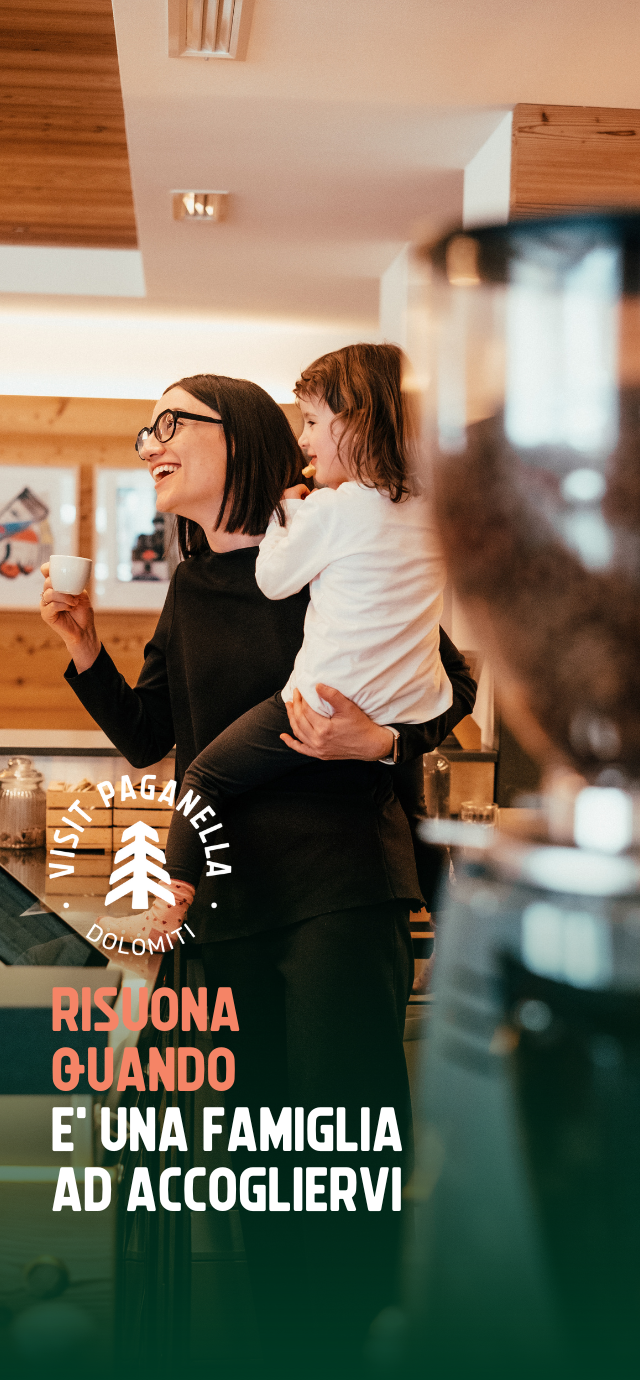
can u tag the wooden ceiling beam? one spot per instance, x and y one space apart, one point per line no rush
572 157
63 150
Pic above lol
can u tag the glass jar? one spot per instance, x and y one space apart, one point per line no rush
22 805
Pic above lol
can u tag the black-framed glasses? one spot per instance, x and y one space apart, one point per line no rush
164 426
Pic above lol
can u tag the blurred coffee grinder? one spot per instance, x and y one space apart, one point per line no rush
527 1187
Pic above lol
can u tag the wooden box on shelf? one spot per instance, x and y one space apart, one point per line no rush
89 843
91 872
72 831
126 812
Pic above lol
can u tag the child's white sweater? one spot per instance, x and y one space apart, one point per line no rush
376 577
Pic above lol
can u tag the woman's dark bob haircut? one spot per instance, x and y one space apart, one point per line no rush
263 457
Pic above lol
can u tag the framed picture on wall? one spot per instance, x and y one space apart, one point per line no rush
38 515
133 564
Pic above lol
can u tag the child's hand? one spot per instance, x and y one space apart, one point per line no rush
298 491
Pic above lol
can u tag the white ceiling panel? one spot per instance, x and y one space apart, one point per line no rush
347 122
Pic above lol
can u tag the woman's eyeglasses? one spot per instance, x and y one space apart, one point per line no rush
164 426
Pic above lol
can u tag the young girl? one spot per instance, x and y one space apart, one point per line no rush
365 542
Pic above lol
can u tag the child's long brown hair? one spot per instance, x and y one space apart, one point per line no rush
362 384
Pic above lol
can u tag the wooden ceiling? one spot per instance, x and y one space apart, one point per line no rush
64 168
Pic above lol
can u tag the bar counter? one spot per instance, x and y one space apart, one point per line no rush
80 913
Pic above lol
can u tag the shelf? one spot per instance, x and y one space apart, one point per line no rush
466 755
29 867
62 742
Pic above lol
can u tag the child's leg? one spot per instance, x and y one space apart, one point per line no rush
249 753
163 918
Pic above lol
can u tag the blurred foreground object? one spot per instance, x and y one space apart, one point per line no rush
526 1190
533 431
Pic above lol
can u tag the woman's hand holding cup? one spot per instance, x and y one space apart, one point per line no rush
70 615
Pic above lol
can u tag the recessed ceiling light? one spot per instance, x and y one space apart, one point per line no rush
203 206
209 28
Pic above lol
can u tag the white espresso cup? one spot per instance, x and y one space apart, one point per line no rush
69 574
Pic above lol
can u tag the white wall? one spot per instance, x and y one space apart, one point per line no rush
91 272
394 300
86 351
487 183
487 179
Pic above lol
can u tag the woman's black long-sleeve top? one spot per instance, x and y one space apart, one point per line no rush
328 837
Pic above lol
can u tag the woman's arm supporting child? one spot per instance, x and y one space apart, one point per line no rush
250 753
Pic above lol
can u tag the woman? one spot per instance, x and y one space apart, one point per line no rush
311 927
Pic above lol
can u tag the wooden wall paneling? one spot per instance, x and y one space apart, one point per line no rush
570 158
33 691
63 150
86 432
89 433
85 510
94 419
85 452
294 417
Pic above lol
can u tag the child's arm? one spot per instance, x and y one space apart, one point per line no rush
290 556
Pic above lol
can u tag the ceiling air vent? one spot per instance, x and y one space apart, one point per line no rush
209 28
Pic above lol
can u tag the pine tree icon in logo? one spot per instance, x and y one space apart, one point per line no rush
139 869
